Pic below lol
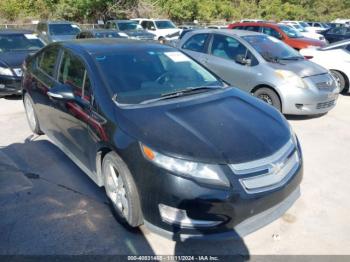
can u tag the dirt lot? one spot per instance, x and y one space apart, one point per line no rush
48 206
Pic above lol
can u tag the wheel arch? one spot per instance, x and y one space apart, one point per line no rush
270 87
347 80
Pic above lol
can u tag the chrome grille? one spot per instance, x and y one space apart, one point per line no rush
270 172
325 104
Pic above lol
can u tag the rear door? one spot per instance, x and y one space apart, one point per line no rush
42 79
224 54
72 116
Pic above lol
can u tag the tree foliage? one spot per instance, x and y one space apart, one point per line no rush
178 10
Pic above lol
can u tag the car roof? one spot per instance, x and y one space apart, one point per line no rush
107 45
99 30
267 24
56 22
15 31
233 32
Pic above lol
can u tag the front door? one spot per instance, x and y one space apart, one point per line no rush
225 58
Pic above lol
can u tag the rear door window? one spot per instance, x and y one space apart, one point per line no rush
253 28
197 43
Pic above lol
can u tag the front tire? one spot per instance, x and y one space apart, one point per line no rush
31 115
121 190
269 96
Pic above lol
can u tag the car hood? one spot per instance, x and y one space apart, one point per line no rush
137 33
309 41
225 126
13 59
302 68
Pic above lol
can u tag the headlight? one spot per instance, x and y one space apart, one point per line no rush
206 173
5 71
291 77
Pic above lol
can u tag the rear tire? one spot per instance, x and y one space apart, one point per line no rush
121 191
269 96
31 115
341 81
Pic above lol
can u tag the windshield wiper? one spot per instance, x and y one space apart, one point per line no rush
182 92
292 58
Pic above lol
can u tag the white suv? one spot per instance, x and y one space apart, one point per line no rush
164 29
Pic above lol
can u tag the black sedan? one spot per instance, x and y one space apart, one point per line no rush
337 34
15 46
173 146
101 33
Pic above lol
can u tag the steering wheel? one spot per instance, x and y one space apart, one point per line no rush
163 78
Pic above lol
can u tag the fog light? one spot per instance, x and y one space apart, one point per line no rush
175 216
299 106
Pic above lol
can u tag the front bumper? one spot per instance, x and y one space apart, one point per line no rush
10 85
308 101
240 212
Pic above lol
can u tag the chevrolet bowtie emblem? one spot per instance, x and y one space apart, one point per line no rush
275 168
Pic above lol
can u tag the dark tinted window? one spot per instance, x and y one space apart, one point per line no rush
337 31
132 25
196 43
253 28
74 74
64 29
148 25
272 32
47 60
227 47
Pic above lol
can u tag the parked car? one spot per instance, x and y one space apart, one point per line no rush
53 31
165 30
282 32
174 148
101 33
316 27
306 33
336 58
265 67
295 22
131 28
337 34
15 46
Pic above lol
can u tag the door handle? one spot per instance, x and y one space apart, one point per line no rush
54 95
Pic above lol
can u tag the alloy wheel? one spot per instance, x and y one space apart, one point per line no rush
116 191
266 98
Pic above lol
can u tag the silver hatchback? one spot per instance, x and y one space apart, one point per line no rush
265 67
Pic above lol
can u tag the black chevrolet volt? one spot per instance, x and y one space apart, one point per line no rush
174 147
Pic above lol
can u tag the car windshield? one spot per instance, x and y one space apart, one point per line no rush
132 25
165 24
304 24
16 42
64 29
290 32
299 28
272 49
137 75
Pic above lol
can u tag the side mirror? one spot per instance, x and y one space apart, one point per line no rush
152 28
240 59
61 92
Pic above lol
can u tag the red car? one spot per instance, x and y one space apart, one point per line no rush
285 33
